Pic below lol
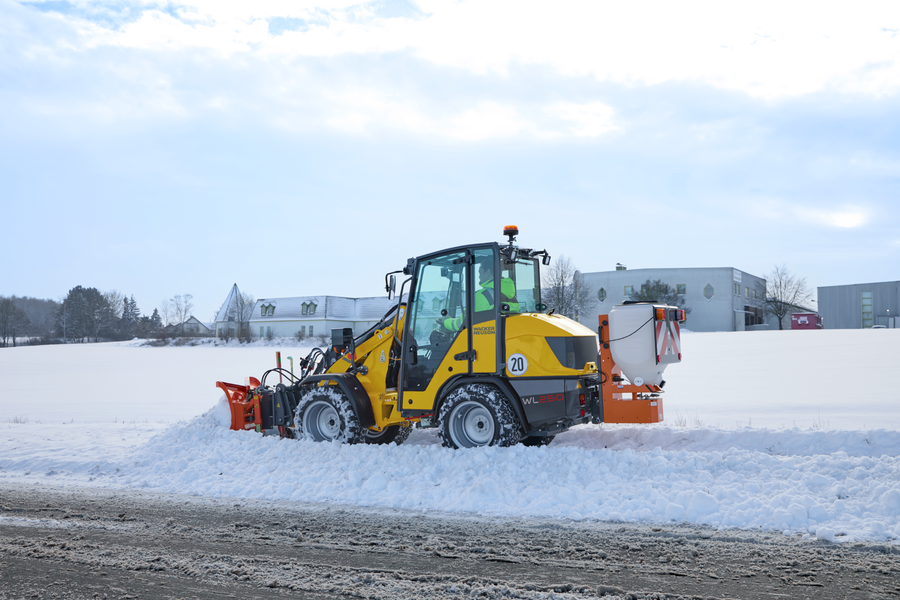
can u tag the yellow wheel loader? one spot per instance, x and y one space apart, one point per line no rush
471 349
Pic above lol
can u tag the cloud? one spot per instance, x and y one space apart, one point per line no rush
591 119
363 110
766 49
850 217
362 67
794 214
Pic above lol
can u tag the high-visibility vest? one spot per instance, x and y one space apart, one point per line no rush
484 300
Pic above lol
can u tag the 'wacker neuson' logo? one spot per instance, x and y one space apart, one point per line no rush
484 330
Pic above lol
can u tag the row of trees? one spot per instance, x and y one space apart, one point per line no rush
87 314
564 291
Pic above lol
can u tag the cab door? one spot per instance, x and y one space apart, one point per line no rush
437 319
451 324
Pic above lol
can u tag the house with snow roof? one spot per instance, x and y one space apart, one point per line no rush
307 316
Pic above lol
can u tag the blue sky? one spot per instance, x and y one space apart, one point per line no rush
162 148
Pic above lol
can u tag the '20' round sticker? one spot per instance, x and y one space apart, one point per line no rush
517 364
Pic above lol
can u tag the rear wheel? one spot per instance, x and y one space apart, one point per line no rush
328 416
394 433
477 415
534 440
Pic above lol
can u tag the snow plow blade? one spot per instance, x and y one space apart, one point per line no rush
245 409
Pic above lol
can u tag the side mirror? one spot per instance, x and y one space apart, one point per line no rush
541 307
546 259
391 286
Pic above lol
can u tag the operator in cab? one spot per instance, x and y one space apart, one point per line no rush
485 296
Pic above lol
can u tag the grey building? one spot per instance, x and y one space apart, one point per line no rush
720 298
860 305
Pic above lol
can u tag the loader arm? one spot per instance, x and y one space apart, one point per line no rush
375 362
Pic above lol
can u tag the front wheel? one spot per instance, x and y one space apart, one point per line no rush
477 415
327 416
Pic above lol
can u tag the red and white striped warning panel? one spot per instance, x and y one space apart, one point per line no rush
668 342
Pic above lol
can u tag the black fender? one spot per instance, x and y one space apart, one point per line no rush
353 390
499 382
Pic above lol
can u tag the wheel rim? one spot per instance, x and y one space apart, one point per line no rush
321 421
372 434
471 424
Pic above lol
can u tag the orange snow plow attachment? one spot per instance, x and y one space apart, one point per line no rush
623 402
245 410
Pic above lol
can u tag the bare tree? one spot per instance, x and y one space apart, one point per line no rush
13 322
183 309
63 320
243 310
166 313
116 303
785 292
564 290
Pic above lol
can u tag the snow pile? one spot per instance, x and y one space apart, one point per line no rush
836 496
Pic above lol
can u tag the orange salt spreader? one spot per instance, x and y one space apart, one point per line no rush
637 341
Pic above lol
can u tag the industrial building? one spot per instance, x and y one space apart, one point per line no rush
720 298
860 305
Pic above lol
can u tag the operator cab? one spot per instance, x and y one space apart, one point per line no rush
457 305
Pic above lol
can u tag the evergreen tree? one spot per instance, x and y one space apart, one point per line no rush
130 317
658 291
126 313
143 327
85 313
135 313
155 322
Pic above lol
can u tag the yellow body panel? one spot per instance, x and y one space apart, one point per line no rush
484 343
526 334
450 367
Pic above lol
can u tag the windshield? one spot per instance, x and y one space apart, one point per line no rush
525 274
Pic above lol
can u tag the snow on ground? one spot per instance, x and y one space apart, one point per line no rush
121 416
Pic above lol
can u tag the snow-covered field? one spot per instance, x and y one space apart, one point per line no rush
791 431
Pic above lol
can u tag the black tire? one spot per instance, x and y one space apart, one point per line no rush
325 416
396 434
477 415
534 441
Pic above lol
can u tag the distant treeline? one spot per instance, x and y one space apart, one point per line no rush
85 315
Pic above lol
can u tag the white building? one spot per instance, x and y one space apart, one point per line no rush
307 315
